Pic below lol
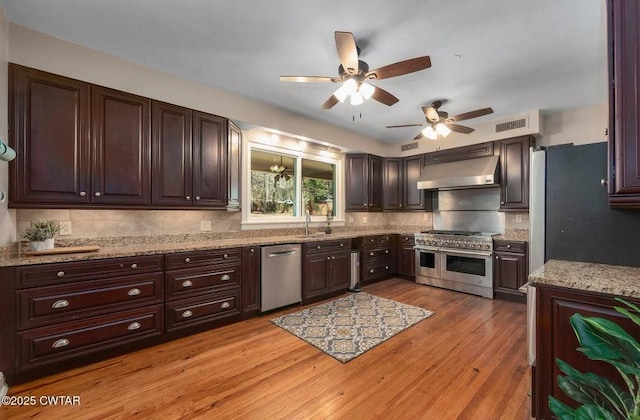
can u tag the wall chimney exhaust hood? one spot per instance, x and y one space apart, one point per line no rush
469 173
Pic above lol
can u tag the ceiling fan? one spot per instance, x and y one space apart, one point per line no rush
354 73
439 122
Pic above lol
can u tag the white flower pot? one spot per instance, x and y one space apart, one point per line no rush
37 245
48 243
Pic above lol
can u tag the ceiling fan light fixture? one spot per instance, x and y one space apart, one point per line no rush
341 94
366 90
356 99
430 133
443 130
350 86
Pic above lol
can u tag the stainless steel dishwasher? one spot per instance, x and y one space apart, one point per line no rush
281 280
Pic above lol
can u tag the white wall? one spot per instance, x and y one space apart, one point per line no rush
579 126
7 217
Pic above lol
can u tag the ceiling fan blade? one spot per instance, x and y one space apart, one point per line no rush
383 96
419 136
305 79
460 128
329 103
471 114
406 125
347 51
431 113
400 68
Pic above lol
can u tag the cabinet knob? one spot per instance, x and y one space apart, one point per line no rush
60 304
603 182
371 254
364 204
83 193
371 271
187 314
502 202
341 244
386 267
63 342
60 274
225 277
187 283
225 256
188 197
508 245
386 251
187 260
197 198
252 251
328 258
225 305
134 292
134 266
333 257
134 326
97 194
317 246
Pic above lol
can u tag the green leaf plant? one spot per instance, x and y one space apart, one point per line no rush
603 340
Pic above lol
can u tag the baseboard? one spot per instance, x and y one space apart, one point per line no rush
4 388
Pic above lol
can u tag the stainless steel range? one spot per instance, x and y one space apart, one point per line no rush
456 260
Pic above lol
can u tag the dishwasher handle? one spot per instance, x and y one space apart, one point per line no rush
281 253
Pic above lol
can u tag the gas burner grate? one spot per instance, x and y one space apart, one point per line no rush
452 232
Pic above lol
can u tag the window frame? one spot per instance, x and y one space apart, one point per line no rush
250 221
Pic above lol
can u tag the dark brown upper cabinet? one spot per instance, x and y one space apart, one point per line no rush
624 103
393 184
209 160
514 173
121 147
400 187
234 161
49 129
364 181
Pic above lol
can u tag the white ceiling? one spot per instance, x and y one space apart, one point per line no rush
516 55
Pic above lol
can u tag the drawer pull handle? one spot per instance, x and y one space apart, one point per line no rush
508 246
63 342
134 326
371 253
60 274
225 277
386 267
134 292
328 258
187 283
341 244
60 304
187 314
187 260
386 251
371 271
317 246
83 193
225 305
134 266
225 256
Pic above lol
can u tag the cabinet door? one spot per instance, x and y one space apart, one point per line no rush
414 199
209 160
393 184
376 183
514 171
624 102
510 271
406 256
121 154
357 181
316 274
50 133
235 164
171 154
250 279
340 265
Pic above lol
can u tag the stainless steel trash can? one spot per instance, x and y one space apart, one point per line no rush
354 272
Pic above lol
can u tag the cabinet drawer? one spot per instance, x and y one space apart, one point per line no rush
46 344
406 239
510 246
323 246
378 240
372 253
192 281
53 304
378 269
200 258
189 312
49 274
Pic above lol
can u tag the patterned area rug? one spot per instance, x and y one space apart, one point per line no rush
347 327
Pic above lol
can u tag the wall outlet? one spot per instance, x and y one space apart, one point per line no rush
518 218
205 225
364 219
425 216
65 228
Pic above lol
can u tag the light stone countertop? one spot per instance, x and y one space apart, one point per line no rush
514 235
602 278
166 244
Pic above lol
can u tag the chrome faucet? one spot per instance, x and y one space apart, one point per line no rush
306 223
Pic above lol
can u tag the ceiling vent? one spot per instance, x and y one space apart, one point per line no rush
512 125
409 146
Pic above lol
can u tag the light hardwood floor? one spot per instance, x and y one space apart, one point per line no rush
467 361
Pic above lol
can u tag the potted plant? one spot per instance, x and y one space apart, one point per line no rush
40 234
604 340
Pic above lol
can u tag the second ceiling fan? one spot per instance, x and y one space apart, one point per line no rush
355 73
439 122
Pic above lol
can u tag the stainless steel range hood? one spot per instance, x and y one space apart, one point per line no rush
470 173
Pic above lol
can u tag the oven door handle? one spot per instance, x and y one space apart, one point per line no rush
463 252
426 248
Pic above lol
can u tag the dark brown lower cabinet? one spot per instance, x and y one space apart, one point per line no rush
406 256
555 339
510 269
325 269
250 281
377 257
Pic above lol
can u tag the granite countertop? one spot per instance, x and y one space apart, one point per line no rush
602 278
14 254
514 235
